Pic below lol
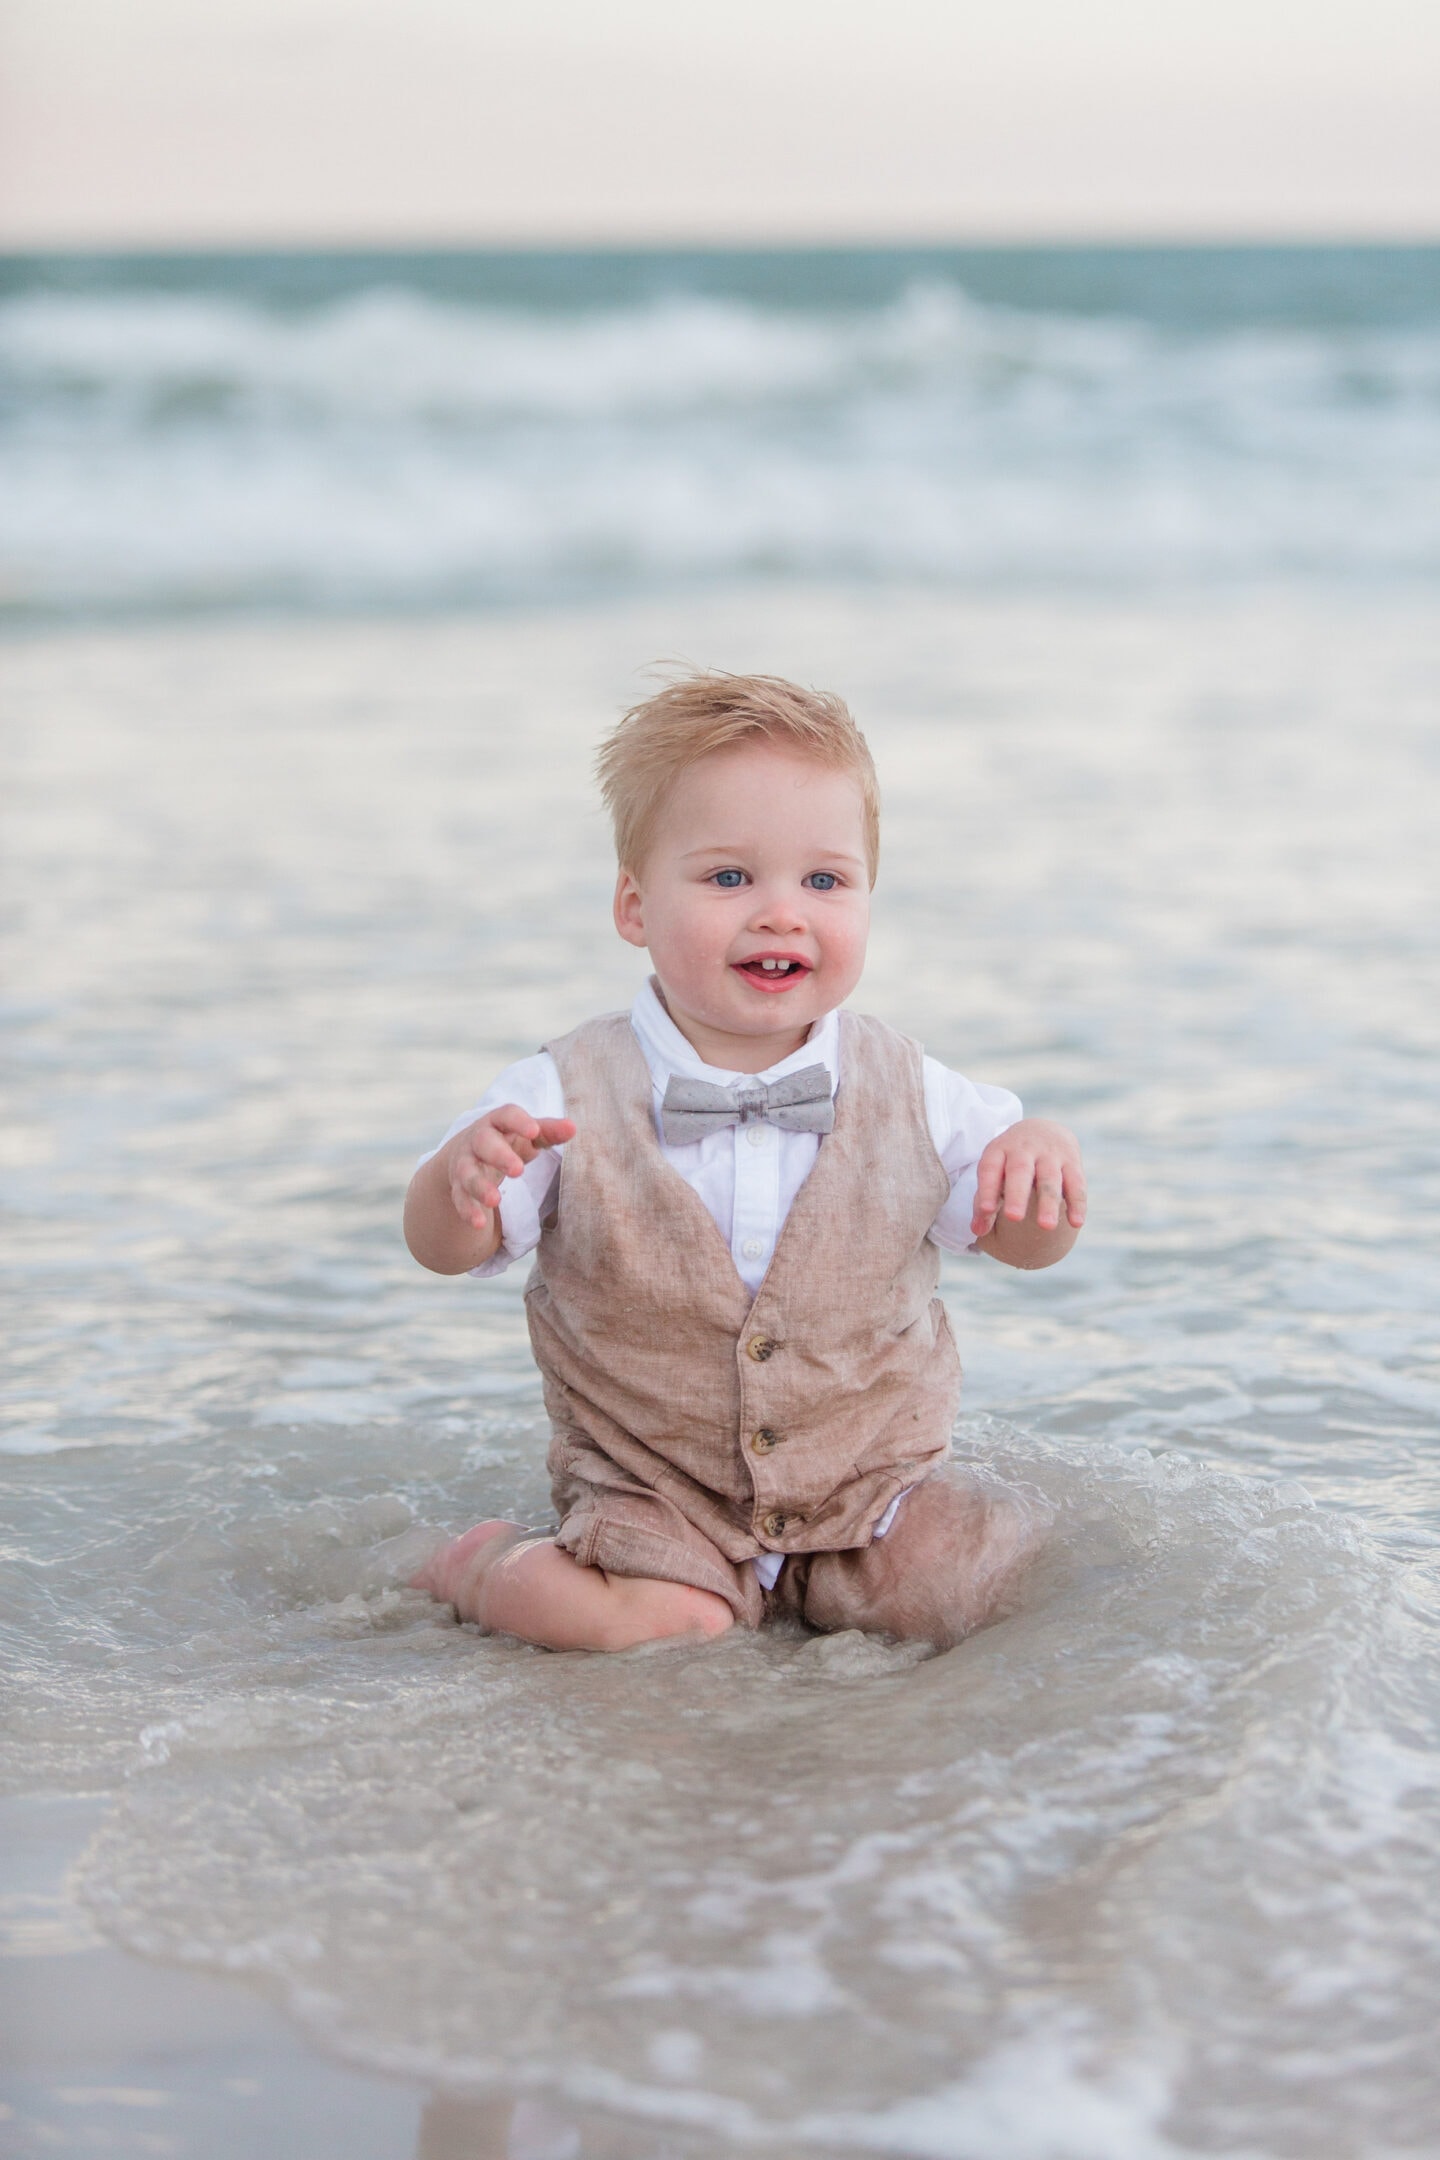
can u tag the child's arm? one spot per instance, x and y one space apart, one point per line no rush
452 1210
1026 1175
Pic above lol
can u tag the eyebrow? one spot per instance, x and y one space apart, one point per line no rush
730 847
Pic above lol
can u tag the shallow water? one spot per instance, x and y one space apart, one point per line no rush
1147 1869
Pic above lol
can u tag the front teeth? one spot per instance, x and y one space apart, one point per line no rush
775 967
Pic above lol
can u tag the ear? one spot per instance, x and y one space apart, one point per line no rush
629 910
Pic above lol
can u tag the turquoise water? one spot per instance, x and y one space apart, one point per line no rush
347 432
1197 287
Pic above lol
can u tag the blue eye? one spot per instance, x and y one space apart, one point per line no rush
823 880
729 879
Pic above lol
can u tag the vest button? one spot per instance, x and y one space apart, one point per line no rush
764 1440
774 1525
760 1347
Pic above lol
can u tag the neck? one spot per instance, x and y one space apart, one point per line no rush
733 1053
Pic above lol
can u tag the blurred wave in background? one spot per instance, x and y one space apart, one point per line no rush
411 430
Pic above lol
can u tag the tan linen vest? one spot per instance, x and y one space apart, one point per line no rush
783 1425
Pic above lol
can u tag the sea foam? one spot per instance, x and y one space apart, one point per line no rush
390 447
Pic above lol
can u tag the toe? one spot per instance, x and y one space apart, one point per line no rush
449 1564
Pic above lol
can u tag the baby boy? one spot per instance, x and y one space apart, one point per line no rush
737 1194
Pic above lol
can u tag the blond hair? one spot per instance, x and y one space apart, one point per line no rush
645 753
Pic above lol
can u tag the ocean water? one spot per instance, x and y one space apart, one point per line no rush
401 431
1145 1871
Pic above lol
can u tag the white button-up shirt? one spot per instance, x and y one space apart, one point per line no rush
747 1175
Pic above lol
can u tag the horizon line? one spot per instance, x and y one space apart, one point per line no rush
1115 240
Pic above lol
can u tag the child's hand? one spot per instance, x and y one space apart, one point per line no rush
495 1147
1033 1170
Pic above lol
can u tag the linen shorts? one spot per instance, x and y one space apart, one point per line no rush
945 1565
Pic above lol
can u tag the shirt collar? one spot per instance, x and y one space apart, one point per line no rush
667 1051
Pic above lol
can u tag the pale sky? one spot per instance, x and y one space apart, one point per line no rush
158 122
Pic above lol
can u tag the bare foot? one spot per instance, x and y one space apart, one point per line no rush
513 1581
454 1572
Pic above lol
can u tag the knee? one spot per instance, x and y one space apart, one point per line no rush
992 1563
707 1613
1013 1535
648 1610
951 1565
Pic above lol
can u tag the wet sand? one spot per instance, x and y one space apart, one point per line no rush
104 2052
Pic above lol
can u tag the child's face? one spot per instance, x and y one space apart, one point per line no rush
758 854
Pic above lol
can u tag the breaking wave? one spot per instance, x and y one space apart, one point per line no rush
394 447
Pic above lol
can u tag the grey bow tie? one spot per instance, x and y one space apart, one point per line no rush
798 1102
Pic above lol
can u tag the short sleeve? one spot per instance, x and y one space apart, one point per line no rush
964 1116
533 1083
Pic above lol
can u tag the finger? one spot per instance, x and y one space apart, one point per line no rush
988 1182
1019 1184
554 1132
495 1157
478 1182
476 1209
982 1220
989 1187
1077 1197
478 1191
1049 1191
510 1118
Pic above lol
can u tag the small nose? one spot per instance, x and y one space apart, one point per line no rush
779 909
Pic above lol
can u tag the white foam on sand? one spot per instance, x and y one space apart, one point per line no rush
1097 1860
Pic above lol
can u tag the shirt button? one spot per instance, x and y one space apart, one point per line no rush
753 1247
760 1347
763 1441
774 1525
758 1135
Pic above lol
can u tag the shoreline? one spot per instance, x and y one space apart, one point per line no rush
104 2049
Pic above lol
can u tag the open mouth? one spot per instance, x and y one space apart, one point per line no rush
773 971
